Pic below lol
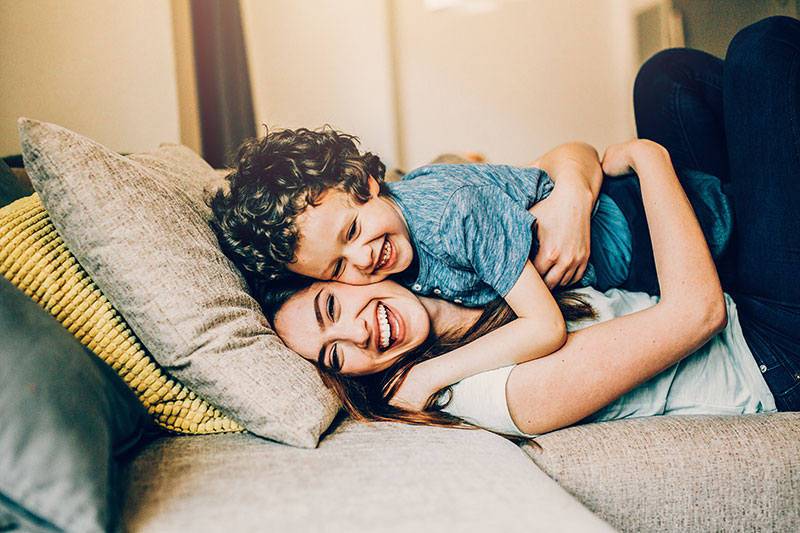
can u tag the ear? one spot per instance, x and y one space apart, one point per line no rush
374 187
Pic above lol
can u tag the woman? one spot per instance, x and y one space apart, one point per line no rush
337 326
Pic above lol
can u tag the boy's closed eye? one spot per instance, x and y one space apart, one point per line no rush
351 234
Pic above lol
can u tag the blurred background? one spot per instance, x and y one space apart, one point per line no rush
412 78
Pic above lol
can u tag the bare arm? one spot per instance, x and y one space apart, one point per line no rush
538 330
600 363
564 216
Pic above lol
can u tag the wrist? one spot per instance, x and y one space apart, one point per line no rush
576 193
646 150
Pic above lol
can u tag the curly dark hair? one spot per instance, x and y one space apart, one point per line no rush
275 179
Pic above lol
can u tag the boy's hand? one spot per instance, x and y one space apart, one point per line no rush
564 217
563 222
415 391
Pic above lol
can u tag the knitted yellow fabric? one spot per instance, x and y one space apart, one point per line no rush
35 259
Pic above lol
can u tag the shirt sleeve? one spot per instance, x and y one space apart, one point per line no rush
529 184
484 230
481 400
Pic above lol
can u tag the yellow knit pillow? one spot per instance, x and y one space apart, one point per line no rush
35 259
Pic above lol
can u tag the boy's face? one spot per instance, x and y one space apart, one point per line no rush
356 244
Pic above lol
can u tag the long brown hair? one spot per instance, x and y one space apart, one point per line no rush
367 397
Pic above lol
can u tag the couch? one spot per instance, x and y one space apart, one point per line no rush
122 410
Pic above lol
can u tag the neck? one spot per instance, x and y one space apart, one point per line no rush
446 316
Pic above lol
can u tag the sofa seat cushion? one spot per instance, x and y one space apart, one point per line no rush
682 473
362 477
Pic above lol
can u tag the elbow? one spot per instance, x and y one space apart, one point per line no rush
558 335
717 315
715 312
709 316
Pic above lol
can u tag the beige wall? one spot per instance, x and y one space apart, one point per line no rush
104 68
316 62
513 82
412 83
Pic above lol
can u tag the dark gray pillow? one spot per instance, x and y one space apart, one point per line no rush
10 187
64 418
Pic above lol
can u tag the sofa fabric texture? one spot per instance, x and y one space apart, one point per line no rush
681 473
364 477
139 227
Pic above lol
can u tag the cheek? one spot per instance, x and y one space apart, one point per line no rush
418 327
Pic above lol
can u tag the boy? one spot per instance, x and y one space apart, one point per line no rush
460 232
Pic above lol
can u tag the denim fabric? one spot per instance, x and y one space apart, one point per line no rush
744 110
711 205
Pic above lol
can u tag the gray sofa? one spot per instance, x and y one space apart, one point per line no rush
693 473
737 473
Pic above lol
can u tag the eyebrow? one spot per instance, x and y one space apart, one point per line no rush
318 315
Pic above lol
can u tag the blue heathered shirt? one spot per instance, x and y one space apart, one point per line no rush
472 232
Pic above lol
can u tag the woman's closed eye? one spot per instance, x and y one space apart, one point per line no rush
335 359
330 306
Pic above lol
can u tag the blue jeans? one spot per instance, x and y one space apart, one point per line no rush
739 119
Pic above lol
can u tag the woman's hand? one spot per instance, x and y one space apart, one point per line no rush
564 217
620 159
608 359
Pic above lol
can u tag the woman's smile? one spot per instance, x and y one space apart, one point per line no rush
353 329
389 327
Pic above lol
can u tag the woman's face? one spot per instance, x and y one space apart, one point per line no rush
353 329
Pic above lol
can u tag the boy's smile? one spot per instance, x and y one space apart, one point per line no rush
353 243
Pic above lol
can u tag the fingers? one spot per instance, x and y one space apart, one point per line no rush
579 272
557 273
555 276
543 263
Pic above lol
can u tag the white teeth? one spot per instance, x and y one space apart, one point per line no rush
383 322
385 253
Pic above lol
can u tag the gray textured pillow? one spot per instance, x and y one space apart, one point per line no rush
139 226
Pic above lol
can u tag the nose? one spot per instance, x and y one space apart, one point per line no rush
361 334
360 256
356 332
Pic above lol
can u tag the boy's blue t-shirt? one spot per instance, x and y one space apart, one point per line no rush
472 232
470 227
